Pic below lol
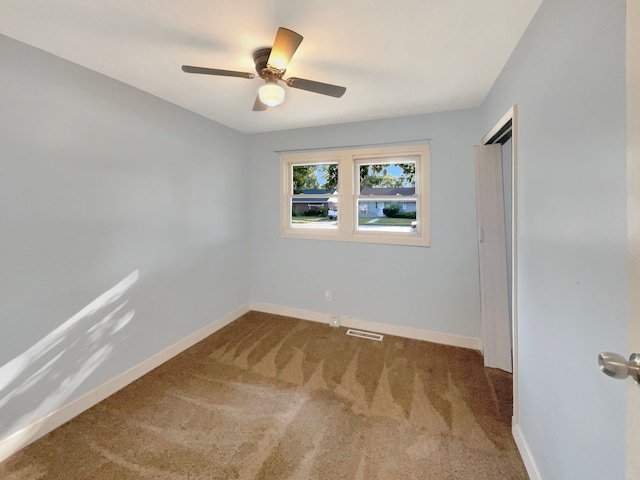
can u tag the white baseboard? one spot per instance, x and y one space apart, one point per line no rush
27 435
525 453
407 332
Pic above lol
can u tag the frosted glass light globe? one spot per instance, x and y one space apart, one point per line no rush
271 94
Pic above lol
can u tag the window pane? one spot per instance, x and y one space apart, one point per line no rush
376 215
315 203
314 179
388 179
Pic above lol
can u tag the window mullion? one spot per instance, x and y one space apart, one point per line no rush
345 195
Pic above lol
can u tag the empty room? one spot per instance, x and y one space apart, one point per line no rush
320 240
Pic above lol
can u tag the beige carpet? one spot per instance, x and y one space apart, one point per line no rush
272 397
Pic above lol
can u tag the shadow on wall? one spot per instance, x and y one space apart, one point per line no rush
58 364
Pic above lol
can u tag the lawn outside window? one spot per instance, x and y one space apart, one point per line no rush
373 195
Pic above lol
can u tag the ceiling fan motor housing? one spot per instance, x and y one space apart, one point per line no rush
260 59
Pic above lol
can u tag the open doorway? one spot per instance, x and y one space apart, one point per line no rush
504 133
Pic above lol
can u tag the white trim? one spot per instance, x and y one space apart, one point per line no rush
525 453
349 322
512 114
27 435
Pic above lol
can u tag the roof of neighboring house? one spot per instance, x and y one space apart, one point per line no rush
326 196
388 192
315 191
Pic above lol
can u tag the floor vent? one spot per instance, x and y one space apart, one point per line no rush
361 334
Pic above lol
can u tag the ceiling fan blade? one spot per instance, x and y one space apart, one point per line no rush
215 71
317 87
284 46
258 106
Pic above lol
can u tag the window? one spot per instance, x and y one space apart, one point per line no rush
382 195
313 196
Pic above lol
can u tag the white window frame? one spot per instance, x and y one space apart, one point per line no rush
348 184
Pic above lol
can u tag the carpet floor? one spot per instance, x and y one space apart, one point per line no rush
271 397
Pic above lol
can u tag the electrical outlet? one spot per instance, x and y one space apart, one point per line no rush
335 320
327 295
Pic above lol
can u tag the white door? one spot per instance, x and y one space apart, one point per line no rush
633 231
492 256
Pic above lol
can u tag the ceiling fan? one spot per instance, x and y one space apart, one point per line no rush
271 64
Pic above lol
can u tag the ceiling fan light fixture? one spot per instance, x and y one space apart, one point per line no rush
271 64
271 94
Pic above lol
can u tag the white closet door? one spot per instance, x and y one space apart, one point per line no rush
492 254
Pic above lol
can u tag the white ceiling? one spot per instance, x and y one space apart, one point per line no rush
396 57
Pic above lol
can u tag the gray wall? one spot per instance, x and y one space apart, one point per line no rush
567 77
100 182
433 288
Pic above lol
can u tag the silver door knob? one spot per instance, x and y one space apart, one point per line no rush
616 366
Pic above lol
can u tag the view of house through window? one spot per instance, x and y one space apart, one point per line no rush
387 196
314 202
369 195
